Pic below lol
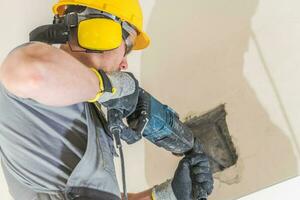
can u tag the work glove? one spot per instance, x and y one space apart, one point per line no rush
119 108
192 180
125 104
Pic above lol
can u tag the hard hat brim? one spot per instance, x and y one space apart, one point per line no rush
142 41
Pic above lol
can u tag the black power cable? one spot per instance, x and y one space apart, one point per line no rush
116 133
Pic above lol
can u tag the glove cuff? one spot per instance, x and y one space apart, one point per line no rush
163 191
104 85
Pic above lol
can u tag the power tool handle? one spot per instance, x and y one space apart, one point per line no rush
117 126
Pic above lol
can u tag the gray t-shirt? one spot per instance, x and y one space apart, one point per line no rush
41 145
50 148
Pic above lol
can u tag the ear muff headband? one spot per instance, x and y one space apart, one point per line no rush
94 32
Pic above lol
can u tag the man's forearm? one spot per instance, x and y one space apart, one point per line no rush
65 81
146 195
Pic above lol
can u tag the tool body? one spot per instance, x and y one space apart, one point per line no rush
155 121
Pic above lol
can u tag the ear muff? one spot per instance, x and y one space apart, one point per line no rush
99 34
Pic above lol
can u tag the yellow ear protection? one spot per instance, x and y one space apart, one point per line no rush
92 32
99 34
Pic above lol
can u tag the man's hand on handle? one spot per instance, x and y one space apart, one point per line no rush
192 180
121 107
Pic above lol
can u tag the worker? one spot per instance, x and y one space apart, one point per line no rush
53 144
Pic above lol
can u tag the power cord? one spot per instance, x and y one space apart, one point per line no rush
116 133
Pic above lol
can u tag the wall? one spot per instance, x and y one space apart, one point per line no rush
204 53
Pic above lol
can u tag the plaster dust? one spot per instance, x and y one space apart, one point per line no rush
195 62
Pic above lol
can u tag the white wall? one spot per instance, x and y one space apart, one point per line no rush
286 190
241 46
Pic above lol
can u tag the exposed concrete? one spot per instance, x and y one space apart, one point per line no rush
195 63
212 131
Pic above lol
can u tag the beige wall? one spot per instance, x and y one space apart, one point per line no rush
204 53
209 52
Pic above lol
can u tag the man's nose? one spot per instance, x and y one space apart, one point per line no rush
124 64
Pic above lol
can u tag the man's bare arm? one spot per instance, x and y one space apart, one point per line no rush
48 75
146 195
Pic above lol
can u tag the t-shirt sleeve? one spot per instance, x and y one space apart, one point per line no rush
6 95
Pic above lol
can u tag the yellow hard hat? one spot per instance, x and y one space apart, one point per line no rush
127 10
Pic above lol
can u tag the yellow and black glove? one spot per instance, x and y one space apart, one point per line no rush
104 84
